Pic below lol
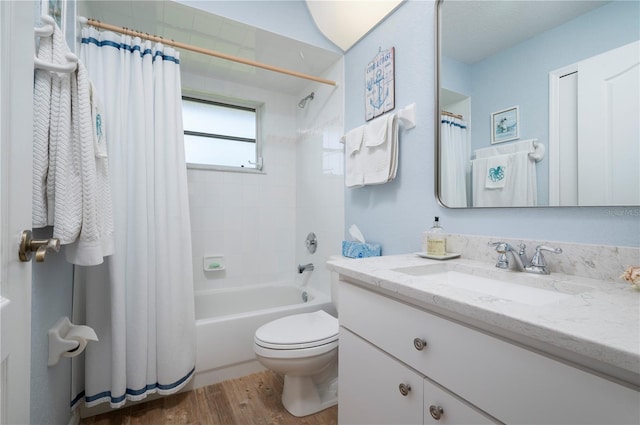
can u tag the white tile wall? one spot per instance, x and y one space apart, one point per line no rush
259 222
248 218
320 178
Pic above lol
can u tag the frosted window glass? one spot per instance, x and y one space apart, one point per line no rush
217 119
211 151
219 135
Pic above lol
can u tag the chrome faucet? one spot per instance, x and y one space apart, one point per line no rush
304 267
536 265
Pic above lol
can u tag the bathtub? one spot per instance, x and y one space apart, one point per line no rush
226 321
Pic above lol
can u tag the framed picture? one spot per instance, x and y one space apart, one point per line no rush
380 84
505 125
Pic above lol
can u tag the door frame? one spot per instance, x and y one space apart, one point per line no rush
554 131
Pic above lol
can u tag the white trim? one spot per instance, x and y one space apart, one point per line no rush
554 131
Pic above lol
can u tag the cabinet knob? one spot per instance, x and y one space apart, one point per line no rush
419 343
436 412
404 389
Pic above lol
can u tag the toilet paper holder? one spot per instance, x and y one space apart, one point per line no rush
68 340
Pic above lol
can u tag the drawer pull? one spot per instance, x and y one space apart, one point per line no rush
404 389
419 343
436 412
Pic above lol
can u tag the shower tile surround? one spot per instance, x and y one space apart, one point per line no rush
247 217
259 221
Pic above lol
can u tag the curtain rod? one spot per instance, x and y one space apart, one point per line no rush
450 114
128 31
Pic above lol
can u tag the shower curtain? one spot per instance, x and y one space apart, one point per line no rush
140 301
455 159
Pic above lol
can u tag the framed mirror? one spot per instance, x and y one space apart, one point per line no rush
539 103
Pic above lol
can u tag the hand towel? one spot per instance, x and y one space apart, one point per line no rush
380 159
376 131
393 136
41 116
353 176
95 238
64 185
520 187
496 171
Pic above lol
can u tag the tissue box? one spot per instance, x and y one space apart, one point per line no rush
353 249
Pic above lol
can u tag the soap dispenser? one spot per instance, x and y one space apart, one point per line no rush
436 241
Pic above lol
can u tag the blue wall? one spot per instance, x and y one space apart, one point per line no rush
395 214
519 75
52 294
455 75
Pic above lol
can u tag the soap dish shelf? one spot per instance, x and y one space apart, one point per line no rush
213 263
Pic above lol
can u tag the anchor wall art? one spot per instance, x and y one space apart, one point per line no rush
379 84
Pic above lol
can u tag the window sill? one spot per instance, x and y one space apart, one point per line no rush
224 168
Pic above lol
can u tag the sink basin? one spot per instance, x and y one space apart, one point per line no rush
511 291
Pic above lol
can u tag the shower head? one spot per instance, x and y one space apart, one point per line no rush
304 101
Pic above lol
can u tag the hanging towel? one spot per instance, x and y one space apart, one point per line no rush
41 115
95 238
70 174
353 176
375 133
520 187
496 171
380 152
64 184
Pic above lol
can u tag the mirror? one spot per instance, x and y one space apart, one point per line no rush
540 103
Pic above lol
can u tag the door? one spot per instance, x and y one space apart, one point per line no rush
608 127
16 94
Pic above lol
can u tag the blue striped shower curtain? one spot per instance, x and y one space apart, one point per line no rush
455 157
140 301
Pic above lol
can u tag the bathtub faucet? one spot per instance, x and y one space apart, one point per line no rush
304 267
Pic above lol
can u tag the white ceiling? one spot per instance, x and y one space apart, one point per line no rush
474 30
346 22
182 23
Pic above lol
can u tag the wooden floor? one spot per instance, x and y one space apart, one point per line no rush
250 400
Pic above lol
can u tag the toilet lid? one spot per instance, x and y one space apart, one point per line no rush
298 331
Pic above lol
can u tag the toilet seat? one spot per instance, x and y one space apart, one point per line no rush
299 331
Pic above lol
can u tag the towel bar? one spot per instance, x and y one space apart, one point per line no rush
406 117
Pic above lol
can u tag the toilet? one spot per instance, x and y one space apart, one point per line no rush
303 348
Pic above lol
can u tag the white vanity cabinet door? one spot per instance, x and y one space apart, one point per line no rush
441 408
510 383
369 386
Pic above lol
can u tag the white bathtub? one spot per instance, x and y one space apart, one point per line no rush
226 321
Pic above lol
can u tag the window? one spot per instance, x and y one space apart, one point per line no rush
220 135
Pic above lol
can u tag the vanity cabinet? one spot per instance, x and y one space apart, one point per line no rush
375 388
481 378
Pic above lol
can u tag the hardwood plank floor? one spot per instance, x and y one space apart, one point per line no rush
250 400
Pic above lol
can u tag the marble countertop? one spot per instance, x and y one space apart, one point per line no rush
596 325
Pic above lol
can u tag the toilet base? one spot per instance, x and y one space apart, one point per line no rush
301 396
